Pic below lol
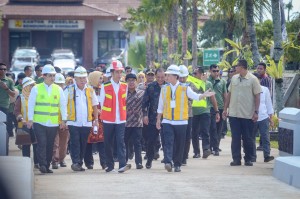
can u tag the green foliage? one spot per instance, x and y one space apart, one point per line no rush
292 48
294 25
275 71
239 51
137 55
264 35
1 21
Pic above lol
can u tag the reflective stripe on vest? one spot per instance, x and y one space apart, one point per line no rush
46 106
180 112
72 101
108 112
200 85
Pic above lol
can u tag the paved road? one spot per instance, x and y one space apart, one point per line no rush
211 178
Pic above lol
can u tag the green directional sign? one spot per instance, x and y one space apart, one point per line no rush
211 56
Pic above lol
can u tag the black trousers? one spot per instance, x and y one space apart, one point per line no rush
152 135
220 127
78 141
114 132
45 140
11 124
174 143
26 152
200 127
88 158
241 129
5 111
134 135
214 138
188 137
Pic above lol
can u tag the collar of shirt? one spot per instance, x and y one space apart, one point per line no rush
134 91
114 83
247 76
76 87
47 85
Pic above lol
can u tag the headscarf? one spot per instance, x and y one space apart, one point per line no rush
138 75
94 78
26 91
67 80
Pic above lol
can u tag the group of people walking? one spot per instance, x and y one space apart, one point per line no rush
123 115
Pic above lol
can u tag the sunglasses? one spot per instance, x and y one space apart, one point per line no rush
215 71
3 69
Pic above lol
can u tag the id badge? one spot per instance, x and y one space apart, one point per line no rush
173 105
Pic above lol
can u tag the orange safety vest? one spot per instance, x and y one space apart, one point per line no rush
108 112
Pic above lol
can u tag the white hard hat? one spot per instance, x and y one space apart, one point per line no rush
116 65
48 69
184 72
107 72
27 81
173 69
80 72
59 78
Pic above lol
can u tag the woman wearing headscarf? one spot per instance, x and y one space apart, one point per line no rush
21 113
95 80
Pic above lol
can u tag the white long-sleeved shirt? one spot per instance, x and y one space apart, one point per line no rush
116 87
81 107
190 94
32 102
265 106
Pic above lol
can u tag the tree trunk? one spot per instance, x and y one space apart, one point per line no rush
152 35
251 31
170 39
175 27
230 28
184 31
159 53
148 56
194 33
278 51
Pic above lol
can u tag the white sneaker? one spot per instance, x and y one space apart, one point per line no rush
125 168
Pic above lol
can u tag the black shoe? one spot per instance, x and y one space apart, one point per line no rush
206 153
82 169
183 162
148 165
103 166
177 169
125 168
216 153
139 166
43 169
268 159
168 167
49 171
109 169
197 156
156 156
145 157
36 166
259 148
89 167
76 167
248 163
54 165
219 150
63 164
235 163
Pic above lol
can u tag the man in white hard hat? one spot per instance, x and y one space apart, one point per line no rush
82 116
46 101
107 75
173 106
113 104
62 137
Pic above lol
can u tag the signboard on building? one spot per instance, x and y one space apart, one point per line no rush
211 56
32 24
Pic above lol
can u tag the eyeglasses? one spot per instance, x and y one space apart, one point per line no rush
4 69
215 71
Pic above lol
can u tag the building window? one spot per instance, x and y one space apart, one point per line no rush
18 39
108 40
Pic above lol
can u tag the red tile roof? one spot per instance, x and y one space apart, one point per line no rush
89 8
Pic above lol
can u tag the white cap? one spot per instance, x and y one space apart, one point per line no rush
184 72
80 72
48 69
173 69
116 65
107 72
27 81
59 78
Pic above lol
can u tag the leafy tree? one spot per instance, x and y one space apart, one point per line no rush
264 33
137 54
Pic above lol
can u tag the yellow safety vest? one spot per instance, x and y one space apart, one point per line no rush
180 112
200 85
71 108
46 107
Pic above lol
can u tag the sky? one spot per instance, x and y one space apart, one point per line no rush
296 7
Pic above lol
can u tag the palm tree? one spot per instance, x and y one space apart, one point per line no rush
194 33
175 26
289 7
278 51
184 30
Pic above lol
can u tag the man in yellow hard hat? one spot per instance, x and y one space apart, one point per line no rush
45 102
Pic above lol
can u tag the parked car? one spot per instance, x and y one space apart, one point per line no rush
106 58
24 56
64 59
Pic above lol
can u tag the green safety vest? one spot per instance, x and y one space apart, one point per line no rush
200 85
46 107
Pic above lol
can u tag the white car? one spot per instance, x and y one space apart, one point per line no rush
64 59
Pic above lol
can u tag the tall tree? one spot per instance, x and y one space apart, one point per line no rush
278 51
249 8
175 26
184 30
194 33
